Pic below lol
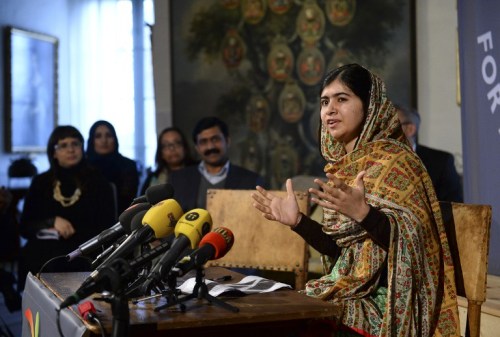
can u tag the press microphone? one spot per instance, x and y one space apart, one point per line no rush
118 271
121 228
135 224
157 222
190 228
155 194
212 246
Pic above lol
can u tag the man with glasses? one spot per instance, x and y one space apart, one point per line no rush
215 171
439 164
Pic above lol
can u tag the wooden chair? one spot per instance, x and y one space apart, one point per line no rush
468 231
258 243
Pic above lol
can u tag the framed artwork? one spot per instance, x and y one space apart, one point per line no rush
258 65
30 89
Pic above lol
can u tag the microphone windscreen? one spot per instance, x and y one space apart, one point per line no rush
162 217
136 222
194 225
127 215
157 193
221 238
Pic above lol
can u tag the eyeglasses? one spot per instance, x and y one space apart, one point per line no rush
171 146
69 145
214 140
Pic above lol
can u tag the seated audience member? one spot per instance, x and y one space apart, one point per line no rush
8 250
212 141
64 207
172 153
387 262
102 153
439 164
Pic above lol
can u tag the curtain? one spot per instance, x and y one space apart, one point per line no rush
102 71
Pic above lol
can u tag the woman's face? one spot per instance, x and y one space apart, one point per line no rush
342 113
172 150
68 152
104 142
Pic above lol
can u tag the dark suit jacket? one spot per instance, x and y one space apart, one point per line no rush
444 176
186 183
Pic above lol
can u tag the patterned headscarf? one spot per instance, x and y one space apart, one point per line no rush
420 299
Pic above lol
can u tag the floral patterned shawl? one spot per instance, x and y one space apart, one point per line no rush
420 298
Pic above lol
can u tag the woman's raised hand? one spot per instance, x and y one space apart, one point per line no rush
284 210
342 198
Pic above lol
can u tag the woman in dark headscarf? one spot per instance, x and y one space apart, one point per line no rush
387 261
102 153
64 207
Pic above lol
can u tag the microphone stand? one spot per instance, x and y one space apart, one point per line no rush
200 291
116 276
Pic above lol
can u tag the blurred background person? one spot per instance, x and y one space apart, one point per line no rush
439 164
65 206
172 153
215 170
102 153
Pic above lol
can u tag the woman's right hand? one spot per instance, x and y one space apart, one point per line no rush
64 227
284 210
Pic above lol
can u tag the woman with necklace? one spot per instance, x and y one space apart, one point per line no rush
64 207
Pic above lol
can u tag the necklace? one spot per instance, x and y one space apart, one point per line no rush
65 201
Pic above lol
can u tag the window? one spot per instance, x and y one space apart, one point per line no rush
104 85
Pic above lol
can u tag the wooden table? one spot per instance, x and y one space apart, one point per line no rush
281 313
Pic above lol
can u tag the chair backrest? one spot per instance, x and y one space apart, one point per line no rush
468 230
258 243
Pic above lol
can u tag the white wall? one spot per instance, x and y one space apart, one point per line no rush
437 76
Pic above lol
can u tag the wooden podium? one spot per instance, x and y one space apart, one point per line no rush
281 313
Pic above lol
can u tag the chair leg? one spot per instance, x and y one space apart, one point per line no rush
473 326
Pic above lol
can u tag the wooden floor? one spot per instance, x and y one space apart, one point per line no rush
490 317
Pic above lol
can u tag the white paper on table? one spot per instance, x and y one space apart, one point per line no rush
248 285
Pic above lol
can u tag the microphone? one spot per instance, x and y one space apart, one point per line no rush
157 222
155 194
116 274
135 224
212 246
190 228
110 234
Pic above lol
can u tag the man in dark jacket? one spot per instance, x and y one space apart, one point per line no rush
215 171
439 164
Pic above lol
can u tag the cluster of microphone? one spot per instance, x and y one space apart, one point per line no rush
187 243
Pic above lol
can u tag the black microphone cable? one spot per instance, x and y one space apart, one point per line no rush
56 258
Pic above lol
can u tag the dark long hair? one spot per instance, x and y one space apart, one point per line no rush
160 163
355 77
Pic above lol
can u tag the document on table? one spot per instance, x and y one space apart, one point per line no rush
248 285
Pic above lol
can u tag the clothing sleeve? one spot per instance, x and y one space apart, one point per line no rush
146 183
450 185
128 186
375 223
378 227
32 219
312 232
